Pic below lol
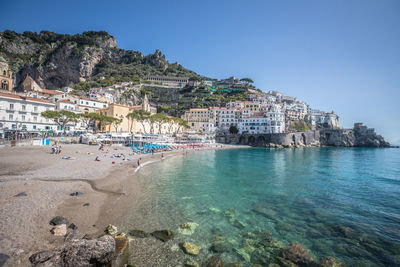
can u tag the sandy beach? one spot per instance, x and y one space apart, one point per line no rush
48 180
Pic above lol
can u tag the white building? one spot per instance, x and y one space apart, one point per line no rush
20 113
168 80
253 125
227 118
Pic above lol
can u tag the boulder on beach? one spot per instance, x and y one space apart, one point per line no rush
213 261
190 248
138 233
121 254
59 230
77 253
111 230
58 220
163 235
74 194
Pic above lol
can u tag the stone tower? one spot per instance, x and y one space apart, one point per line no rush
6 80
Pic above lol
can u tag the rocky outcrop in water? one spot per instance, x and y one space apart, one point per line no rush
359 136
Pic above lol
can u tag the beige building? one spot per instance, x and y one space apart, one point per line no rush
6 80
31 88
126 125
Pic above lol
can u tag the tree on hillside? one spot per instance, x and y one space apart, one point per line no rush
195 78
62 117
247 80
141 116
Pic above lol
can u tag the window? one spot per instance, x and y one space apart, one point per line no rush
87 103
10 117
35 109
23 117
34 118
23 107
11 106
34 127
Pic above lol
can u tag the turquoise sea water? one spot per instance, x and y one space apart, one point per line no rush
340 202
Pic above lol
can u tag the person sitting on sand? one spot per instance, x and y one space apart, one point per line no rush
97 158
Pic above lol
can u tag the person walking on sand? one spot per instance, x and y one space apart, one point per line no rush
138 162
162 155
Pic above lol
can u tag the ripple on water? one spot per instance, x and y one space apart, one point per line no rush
335 202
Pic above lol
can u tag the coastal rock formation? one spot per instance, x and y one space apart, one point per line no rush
78 253
359 136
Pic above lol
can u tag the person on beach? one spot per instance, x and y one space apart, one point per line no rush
162 155
97 158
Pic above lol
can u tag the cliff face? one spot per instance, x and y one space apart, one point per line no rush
57 60
337 138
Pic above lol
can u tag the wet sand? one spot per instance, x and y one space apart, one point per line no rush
48 180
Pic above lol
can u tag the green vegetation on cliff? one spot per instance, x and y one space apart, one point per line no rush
56 60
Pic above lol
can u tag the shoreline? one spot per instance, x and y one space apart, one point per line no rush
48 181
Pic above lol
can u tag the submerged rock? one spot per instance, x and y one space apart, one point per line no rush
220 246
331 262
59 230
243 254
190 248
58 220
213 261
111 230
138 233
343 231
215 210
234 264
238 224
187 228
77 253
297 254
163 235
190 263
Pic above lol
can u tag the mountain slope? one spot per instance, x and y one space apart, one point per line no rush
57 60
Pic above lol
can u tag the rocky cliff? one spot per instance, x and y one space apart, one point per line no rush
356 137
57 60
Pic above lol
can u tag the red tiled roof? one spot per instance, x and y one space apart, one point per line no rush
51 92
66 101
24 98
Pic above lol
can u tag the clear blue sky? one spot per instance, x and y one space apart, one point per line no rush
341 55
